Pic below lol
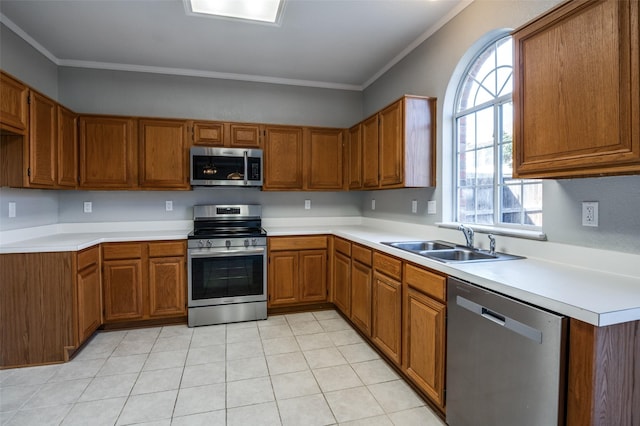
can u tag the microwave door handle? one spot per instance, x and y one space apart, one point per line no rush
246 168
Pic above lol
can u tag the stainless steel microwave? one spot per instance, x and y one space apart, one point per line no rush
226 167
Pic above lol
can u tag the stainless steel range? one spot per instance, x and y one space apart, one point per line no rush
227 265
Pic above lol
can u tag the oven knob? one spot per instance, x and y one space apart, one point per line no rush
246 243
254 242
201 243
227 243
209 243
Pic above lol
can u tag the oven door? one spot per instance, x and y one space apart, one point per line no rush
220 276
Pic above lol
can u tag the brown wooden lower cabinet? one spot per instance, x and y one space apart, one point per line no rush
297 272
88 293
36 308
342 282
361 282
144 280
386 311
424 331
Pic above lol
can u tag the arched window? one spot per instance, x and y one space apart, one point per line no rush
485 191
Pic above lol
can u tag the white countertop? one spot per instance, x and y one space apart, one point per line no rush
594 296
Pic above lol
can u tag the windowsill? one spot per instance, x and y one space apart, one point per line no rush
496 230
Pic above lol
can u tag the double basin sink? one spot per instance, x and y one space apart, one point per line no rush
444 251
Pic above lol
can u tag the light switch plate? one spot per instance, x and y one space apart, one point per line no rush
12 209
431 207
373 204
414 206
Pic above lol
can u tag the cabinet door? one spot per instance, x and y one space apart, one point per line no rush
206 133
424 343
67 148
342 282
108 152
167 286
283 278
387 316
361 279
43 154
122 285
14 111
578 116
313 275
89 293
283 158
370 173
355 157
391 145
245 136
323 159
163 154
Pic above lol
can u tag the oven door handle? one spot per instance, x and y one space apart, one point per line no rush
224 252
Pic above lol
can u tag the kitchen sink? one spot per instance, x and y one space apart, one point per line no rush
444 251
419 246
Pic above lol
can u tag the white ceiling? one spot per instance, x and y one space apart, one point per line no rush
343 44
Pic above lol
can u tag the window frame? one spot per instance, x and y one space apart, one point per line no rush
496 103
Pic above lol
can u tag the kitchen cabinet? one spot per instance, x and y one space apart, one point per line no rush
323 154
163 154
297 270
578 116
354 157
36 308
108 152
342 275
387 305
67 148
231 135
43 148
122 281
88 293
14 111
167 279
361 282
283 158
143 280
424 333
398 145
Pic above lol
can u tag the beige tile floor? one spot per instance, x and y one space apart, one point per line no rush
301 370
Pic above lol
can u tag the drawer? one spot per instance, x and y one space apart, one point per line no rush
343 246
387 265
361 254
429 283
298 243
88 257
167 249
111 251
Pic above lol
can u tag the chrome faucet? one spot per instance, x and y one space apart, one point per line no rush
492 244
468 235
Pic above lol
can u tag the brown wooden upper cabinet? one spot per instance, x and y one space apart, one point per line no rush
323 153
282 158
14 112
398 146
163 154
232 135
577 91
43 148
67 148
108 152
353 157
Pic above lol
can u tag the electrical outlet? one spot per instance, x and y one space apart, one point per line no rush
88 207
373 204
168 206
431 207
414 206
590 213
12 209
307 204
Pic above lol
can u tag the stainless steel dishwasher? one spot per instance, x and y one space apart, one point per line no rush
505 360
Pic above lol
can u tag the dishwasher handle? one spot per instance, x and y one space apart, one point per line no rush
502 320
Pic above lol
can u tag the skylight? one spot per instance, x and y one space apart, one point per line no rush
253 10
